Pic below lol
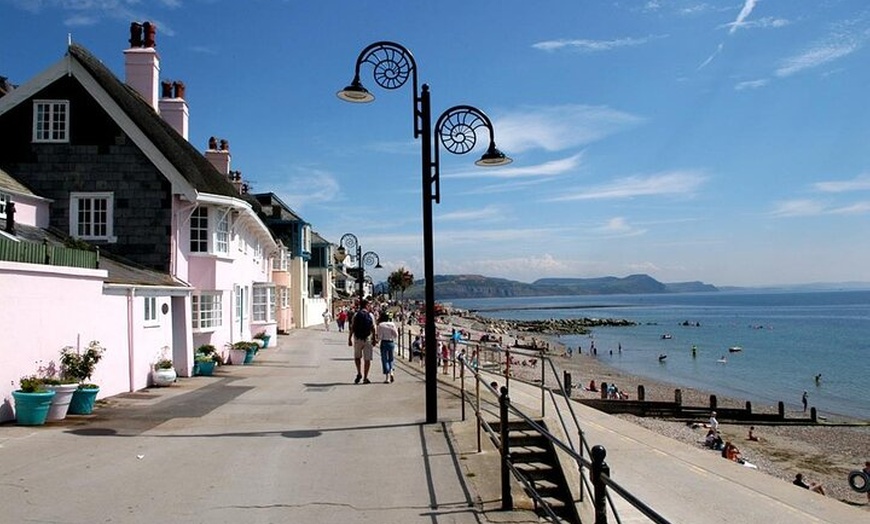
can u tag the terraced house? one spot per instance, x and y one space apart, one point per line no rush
184 257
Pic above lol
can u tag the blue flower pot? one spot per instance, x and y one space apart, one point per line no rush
205 369
83 401
249 355
31 409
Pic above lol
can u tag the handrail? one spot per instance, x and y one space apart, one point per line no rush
558 397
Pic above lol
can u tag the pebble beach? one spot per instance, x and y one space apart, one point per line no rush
825 453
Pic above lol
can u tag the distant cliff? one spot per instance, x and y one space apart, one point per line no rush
477 286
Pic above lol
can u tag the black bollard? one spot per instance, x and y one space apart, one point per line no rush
748 407
678 397
814 416
781 407
641 392
713 402
599 497
604 390
566 382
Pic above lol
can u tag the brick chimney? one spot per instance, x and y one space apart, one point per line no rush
219 155
173 107
141 62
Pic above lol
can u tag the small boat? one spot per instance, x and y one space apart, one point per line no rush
667 336
662 357
735 349
722 360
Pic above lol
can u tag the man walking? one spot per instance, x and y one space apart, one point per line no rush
362 328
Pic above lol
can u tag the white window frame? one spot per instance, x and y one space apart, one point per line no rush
285 298
222 234
75 201
202 232
207 311
55 127
4 199
151 309
241 301
263 303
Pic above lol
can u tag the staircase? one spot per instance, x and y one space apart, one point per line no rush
534 456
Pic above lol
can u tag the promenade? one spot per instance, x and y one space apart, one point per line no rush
292 439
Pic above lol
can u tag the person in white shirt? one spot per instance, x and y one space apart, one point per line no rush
387 333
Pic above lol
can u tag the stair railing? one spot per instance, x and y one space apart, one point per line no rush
597 481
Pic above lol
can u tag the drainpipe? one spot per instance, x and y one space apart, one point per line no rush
130 353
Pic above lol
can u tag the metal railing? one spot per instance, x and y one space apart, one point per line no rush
594 471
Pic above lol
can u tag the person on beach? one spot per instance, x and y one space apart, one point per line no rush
387 333
713 424
751 435
327 316
362 327
804 401
812 486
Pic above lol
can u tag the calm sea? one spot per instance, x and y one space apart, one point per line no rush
787 338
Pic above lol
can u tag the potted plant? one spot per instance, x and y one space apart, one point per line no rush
32 401
63 387
164 373
238 352
79 366
264 337
205 360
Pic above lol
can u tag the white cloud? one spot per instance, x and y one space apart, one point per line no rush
796 208
858 208
524 269
820 53
751 84
710 58
556 128
859 183
310 186
486 213
671 183
748 6
547 169
619 227
592 46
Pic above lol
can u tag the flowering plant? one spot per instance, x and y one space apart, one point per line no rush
78 366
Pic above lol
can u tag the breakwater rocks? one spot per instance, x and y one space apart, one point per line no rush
553 326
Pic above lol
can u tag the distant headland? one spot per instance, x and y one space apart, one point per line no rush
478 286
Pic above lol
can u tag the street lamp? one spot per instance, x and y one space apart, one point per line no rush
456 129
370 258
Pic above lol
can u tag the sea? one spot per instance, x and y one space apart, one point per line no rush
786 340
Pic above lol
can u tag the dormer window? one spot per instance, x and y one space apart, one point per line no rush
51 121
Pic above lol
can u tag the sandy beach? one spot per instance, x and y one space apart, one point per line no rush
824 453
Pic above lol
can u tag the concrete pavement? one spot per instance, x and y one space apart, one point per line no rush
292 439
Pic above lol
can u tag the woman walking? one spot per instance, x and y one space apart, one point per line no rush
387 335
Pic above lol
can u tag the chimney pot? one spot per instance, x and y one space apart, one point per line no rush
166 89
212 142
179 89
225 146
150 34
135 34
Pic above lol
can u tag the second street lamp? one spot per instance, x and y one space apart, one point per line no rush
456 129
349 241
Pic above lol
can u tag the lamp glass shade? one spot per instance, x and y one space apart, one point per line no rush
356 93
493 157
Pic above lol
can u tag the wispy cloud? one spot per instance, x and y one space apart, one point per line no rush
619 227
797 208
859 183
309 187
487 213
748 6
676 183
91 12
583 45
555 128
751 84
710 58
547 169
842 42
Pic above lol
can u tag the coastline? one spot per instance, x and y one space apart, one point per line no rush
824 453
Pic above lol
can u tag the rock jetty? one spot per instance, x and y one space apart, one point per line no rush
553 326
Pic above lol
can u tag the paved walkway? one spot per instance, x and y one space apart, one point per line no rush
292 439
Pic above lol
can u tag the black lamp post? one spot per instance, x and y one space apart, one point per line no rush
456 129
370 258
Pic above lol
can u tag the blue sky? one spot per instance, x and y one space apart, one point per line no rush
722 141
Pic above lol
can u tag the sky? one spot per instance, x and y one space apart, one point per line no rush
719 141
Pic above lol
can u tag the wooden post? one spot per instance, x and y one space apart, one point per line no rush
641 392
